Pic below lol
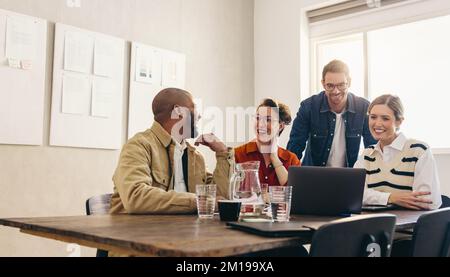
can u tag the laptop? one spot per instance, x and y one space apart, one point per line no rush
378 208
272 229
326 190
297 226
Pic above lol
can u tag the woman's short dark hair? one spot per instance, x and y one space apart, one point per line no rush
284 112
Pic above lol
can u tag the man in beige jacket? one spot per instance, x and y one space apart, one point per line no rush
158 169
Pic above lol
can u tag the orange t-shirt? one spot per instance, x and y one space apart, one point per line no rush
267 174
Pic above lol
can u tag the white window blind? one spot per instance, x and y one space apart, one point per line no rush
347 8
348 21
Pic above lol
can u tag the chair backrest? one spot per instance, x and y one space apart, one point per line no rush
99 204
445 202
359 236
431 236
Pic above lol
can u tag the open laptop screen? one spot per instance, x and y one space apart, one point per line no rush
326 190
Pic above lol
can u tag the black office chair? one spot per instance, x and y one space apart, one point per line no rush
359 236
445 202
97 205
430 237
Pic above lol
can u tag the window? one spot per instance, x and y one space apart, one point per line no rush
410 60
349 49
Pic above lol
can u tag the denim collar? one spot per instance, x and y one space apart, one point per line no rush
324 107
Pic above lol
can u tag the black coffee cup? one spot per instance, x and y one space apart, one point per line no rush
229 210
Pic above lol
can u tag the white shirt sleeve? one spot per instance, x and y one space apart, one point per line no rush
426 178
371 196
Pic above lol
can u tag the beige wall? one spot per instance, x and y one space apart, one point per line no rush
215 35
277 55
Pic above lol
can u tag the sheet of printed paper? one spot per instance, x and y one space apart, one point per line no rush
103 97
21 38
173 70
75 94
106 55
78 52
148 65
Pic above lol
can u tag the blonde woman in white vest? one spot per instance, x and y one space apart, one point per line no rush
400 170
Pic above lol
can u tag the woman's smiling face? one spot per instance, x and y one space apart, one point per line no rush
383 124
267 124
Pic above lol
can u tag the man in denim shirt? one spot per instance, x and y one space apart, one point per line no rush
332 122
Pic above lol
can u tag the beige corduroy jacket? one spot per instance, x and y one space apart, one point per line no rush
143 179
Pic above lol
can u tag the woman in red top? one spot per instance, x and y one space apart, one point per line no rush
271 118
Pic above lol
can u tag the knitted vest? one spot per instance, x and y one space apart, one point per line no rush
396 175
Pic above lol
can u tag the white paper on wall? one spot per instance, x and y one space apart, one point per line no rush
78 52
173 70
103 97
13 62
106 53
75 94
21 38
148 65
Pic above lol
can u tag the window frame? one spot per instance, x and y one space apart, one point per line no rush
346 36
314 46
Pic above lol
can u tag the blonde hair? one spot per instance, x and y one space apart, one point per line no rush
393 102
336 66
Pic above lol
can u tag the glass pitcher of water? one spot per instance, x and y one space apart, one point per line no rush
245 187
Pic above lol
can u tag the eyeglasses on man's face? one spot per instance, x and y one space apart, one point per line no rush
340 86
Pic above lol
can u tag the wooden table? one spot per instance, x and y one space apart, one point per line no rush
168 235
